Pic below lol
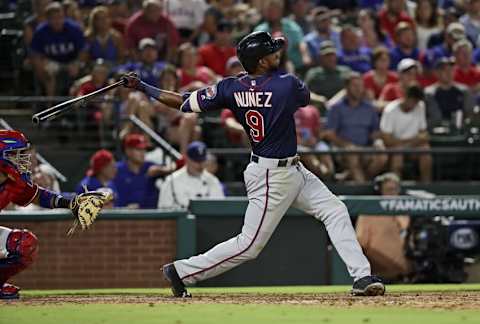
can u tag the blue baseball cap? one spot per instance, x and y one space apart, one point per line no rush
197 151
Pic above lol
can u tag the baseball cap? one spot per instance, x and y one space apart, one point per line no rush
197 151
327 47
224 25
146 42
98 161
406 64
323 13
456 30
444 61
137 141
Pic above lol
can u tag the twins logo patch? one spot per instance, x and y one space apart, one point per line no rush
211 92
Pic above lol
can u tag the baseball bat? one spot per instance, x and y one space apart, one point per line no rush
61 108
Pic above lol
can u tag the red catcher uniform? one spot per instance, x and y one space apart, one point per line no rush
18 248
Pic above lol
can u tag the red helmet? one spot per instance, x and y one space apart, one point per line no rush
13 150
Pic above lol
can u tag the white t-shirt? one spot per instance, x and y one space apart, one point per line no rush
179 187
402 125
187 14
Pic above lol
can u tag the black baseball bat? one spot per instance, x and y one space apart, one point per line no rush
55 111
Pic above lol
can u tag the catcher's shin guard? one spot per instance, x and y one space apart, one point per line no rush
22 247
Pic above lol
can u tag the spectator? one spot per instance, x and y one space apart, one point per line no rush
404 125
102 40
209 28
297 51
352 123
38 16
446 98
72 12
135 179
55 47
391 15
471 20
149 67
376 79
191 181
97 112
408 73
187 16
322 31
215 55
406 45
450 15
427 22
372 34
465 72
119 14
101 173
383 237
192 76
310 137
150 22
453 33
300 9
353 55
328 78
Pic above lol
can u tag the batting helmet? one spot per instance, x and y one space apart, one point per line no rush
255 46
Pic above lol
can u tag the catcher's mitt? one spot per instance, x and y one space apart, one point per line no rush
85 208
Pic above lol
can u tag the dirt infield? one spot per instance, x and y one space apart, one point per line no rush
429 300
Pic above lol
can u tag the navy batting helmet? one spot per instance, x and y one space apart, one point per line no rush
255 46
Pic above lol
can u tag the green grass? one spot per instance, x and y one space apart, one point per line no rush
230 314
210 313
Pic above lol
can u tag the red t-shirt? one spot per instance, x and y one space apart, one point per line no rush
370 84
389 25
202 74
215 57
163 31
391 91
308 117
470 78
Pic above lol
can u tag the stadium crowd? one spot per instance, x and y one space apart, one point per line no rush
382 74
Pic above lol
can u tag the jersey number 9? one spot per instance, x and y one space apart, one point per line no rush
254 120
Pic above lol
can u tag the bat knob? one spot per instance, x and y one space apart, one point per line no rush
35 120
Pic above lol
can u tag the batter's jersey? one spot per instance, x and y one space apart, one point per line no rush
263 105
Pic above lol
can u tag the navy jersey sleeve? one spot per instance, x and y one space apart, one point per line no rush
303 94
205 99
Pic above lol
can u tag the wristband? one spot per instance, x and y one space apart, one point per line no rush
150 90
48 199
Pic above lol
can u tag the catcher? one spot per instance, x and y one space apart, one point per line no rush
18 248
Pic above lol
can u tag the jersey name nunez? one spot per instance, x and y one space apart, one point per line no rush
247 99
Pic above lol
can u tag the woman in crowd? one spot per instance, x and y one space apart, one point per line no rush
427 21
192 77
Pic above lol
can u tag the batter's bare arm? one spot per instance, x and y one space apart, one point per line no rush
168 98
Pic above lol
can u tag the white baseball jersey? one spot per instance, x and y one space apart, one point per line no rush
180 187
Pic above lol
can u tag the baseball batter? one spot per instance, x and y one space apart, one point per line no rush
264 101
18 248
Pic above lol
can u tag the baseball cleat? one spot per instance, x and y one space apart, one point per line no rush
9 291
368 286
178 288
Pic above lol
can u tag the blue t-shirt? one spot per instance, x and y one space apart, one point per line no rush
62 47
396 55
108 52
147 73
314 41
358 60
92 184
263 105
135 188
354 124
